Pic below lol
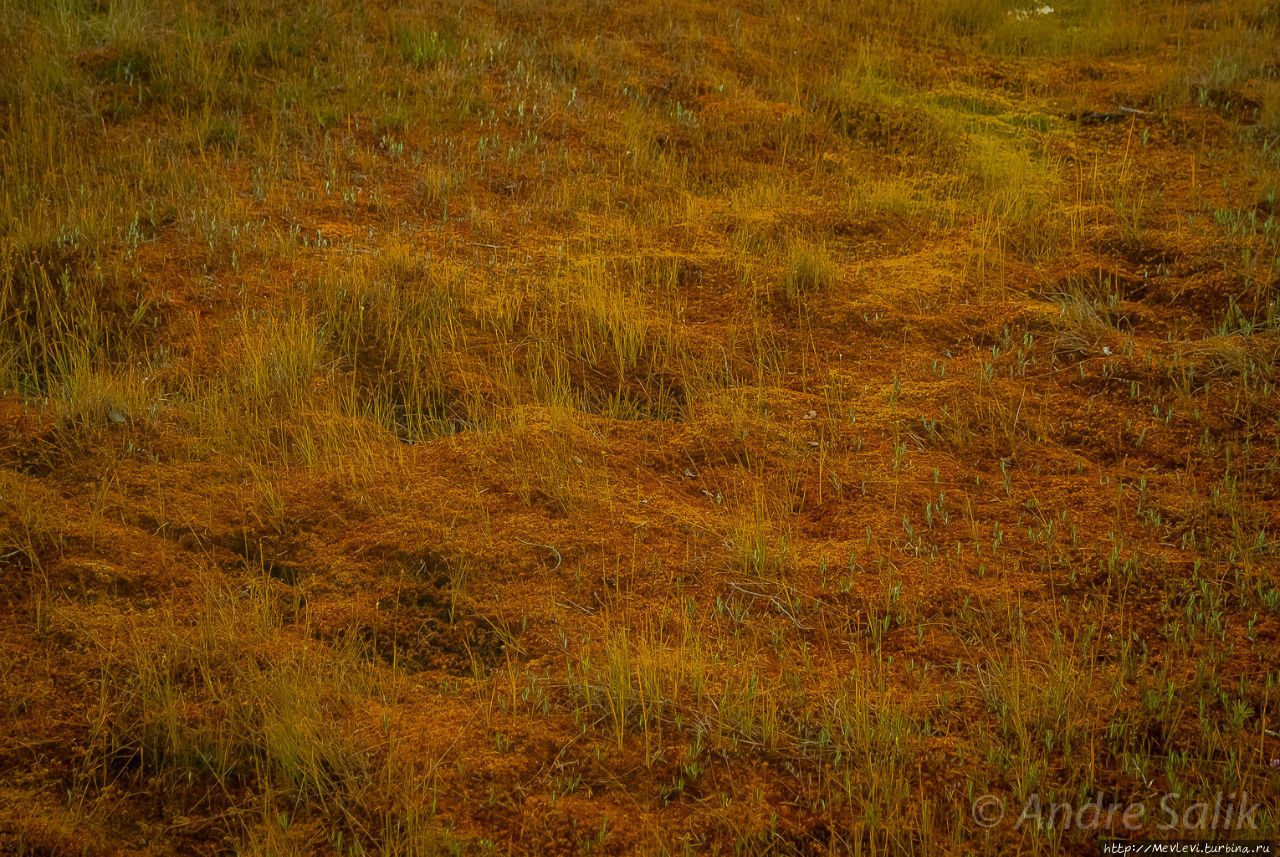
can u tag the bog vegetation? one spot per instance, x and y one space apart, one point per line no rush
666 427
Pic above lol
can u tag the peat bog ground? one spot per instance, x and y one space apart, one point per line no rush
752 427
